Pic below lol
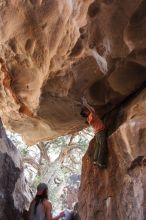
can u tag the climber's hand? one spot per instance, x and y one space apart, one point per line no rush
62 214
84 101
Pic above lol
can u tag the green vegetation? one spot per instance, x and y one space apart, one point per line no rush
57 163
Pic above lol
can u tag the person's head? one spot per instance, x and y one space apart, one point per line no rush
41 195
84 112
42 190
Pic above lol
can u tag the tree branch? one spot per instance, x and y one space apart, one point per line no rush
31 161
43 151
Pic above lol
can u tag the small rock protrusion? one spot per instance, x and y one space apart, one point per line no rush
36 2
82 30
93 9
12 44
83 36
44 25
101 50
108 2
136 162
92 45
76 51
144 162
29 46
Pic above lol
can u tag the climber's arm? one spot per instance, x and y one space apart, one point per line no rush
85 103
48 212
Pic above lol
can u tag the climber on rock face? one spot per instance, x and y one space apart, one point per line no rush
101 150
40 207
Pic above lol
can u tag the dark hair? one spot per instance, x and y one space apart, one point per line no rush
84 112
40 198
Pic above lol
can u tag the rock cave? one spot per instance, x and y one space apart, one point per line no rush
54 52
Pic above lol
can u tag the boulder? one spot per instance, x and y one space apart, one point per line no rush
118 192
15 194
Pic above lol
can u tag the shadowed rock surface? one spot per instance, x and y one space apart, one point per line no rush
14 192
54 52
118 192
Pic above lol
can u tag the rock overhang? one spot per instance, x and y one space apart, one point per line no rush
54 52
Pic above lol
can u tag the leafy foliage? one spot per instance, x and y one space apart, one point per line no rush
55 162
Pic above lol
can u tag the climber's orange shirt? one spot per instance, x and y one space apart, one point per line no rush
95 122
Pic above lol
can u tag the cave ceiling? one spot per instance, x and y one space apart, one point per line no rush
53 52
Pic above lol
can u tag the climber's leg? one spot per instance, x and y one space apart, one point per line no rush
101 150
97 146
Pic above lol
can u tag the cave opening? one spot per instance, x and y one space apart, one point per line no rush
57 163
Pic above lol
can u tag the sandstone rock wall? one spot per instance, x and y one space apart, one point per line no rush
14 192
54 52
118 192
